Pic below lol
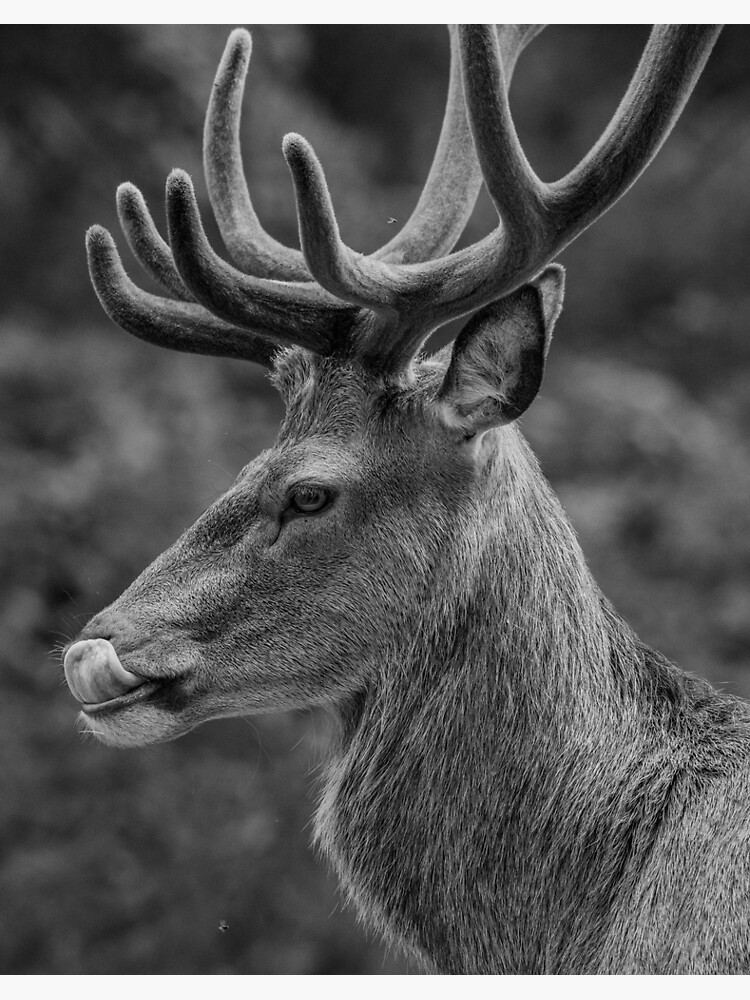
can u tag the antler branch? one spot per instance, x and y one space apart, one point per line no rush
295 313
455 177
144 240
516 191
251 247
334 266
181 326
672 61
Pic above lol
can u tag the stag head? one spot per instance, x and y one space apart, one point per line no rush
362 528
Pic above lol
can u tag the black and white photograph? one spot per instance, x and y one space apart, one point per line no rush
375 500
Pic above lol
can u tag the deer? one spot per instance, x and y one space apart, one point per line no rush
517 784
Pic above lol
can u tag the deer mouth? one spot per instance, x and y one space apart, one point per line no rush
98 680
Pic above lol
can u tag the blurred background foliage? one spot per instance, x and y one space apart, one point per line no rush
128 862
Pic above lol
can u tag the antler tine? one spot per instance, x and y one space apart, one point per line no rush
672 61
300 313
516 191
341 271
250 246
455 177
181 326
147 245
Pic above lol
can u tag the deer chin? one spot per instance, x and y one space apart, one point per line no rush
137 722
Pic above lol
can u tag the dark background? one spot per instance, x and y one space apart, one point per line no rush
127 861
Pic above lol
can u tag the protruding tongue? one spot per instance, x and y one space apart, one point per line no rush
95 674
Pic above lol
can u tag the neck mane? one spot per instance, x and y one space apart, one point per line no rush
525 740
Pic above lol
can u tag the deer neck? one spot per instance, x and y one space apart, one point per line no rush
466 787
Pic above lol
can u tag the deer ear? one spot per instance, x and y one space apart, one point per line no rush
497 363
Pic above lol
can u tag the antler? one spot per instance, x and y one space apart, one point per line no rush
537 219
272 296
382 307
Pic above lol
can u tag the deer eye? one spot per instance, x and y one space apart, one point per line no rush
309 499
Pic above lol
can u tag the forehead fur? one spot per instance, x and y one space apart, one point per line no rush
334 397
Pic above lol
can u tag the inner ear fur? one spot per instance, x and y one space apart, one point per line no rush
497 362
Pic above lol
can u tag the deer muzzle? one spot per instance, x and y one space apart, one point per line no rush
94 672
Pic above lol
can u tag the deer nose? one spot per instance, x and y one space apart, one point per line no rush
94 672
